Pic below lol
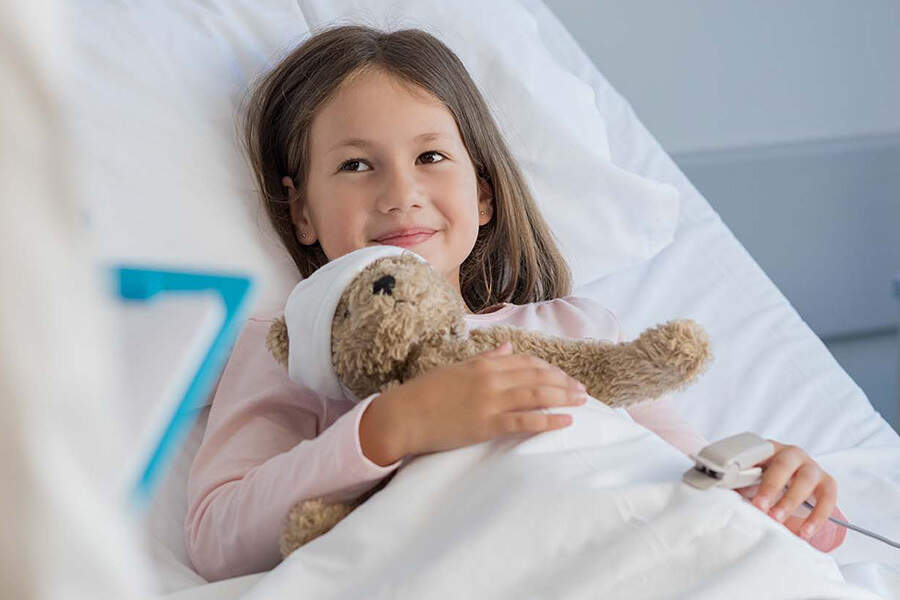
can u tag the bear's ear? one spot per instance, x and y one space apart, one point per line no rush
277 341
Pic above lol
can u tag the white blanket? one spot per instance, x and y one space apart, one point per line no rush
593 510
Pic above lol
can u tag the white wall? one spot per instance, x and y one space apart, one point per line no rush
708 74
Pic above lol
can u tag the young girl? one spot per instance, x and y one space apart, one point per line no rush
361 137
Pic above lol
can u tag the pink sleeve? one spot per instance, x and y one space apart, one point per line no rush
262 452
663 419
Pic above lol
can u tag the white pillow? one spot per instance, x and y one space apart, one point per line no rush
154 89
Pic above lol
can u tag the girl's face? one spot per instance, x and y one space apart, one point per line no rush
384 161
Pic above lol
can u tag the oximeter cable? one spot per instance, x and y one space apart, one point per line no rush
859 529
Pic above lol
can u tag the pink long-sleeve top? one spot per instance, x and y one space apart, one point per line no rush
270 443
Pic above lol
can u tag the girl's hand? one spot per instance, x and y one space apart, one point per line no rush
492 394
791 465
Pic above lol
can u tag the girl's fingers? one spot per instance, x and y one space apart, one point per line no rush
805 480
778 470
536 376
523 369
806 477
826 499
544 396
523 361
527 422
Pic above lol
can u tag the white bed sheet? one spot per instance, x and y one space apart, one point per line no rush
597 509
771 373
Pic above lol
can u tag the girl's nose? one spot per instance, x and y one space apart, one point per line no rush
400 192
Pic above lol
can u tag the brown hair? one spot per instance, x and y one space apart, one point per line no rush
515 258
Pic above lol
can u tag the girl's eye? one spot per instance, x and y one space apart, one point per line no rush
356 162
430 152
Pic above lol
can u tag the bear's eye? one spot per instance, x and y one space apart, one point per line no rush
346 313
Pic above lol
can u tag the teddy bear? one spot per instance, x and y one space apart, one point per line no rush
388 317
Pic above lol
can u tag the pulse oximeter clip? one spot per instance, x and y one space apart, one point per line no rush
729 462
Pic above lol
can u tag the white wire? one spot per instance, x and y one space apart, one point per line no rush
859 529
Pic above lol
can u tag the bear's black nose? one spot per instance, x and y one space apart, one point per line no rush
384 285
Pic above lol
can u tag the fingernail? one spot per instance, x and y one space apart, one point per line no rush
778 514
764 504
807 531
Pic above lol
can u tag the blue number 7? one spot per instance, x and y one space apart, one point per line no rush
136 284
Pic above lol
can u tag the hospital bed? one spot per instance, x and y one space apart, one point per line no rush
157 88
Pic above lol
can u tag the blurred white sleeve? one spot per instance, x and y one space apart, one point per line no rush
65 533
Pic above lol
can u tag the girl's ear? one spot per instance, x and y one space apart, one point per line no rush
302 225
485 201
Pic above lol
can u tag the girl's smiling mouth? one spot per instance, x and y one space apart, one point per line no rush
406 238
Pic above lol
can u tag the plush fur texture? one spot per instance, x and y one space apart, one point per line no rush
398 319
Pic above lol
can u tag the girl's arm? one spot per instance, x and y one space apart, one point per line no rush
265 449
663 419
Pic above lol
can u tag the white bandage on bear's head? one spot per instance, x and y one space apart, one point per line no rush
309 312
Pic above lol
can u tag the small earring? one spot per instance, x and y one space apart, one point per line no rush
481 212
303 236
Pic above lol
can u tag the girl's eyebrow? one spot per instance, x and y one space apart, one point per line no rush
363 143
